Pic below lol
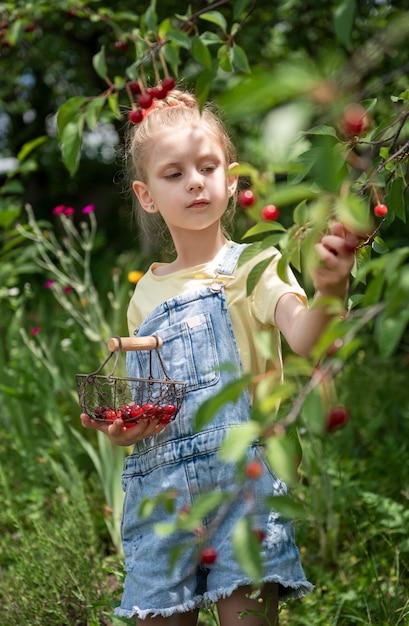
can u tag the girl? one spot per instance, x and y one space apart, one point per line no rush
183 174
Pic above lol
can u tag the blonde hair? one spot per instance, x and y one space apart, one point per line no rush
178 109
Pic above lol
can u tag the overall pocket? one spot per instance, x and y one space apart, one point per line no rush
188 352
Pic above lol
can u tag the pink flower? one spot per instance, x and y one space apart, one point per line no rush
49 283
58 209
67 289
90 208
69 211
35 330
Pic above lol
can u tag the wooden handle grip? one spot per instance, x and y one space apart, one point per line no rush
134 343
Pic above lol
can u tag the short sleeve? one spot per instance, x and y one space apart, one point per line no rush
270 288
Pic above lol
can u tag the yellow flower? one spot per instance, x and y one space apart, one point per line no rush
135 276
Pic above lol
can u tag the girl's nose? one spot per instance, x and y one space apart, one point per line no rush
195 183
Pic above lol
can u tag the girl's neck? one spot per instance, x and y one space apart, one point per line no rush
193 248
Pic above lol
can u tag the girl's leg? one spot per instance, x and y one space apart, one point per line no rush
179 619
265 612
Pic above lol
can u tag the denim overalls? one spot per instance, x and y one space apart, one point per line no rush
197 337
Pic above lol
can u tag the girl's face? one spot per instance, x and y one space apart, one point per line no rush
187 180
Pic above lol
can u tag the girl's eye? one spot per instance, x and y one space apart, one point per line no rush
171 176
209 168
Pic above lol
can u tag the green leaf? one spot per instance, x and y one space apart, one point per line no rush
395 199
216 18
93 111
12 188
247 549
201 53
353 212
238 440
264 227
30 146
223 55
238 7
313 412
15 32
179 37
283 458
203 83
322 130
229 393
287 507
69 111
379 246
390 331
256 272
114 106
99 63
343 21
239 59
71 141
150 17
285 194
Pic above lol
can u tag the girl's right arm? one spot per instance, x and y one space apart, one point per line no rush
121 436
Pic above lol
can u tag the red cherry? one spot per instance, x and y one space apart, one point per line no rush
161 93
254 470
270 213
134 87
208 556
355 120
351 242
165 418
380 210
129 425
111 415
148 409
168 83
124 412
336 418
100 412
259 534
121 45
169 408
145 100
335 346
247 198
135 116
136 411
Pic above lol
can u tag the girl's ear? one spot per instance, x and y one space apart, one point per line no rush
232 179
145 199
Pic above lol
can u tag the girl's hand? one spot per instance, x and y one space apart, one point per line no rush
121 436
336 252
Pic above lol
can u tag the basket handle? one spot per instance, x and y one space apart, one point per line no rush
125 344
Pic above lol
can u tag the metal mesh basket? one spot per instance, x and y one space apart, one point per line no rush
107 397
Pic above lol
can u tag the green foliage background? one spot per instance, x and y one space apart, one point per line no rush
283 74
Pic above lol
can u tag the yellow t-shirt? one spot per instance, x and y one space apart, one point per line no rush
249 314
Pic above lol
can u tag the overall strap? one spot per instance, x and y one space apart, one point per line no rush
229 259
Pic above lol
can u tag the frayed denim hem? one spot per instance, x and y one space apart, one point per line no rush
142 614
287 592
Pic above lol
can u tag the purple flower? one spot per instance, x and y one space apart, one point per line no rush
49 283
58 209
67 289
90 208
35 330
69 211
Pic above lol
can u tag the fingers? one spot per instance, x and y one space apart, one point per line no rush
124 434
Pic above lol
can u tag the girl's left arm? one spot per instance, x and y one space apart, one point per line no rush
302 326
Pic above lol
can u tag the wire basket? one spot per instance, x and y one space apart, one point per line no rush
107 397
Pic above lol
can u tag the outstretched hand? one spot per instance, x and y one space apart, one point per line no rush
336 252
121 435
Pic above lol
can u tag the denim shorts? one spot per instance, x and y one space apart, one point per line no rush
163 573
